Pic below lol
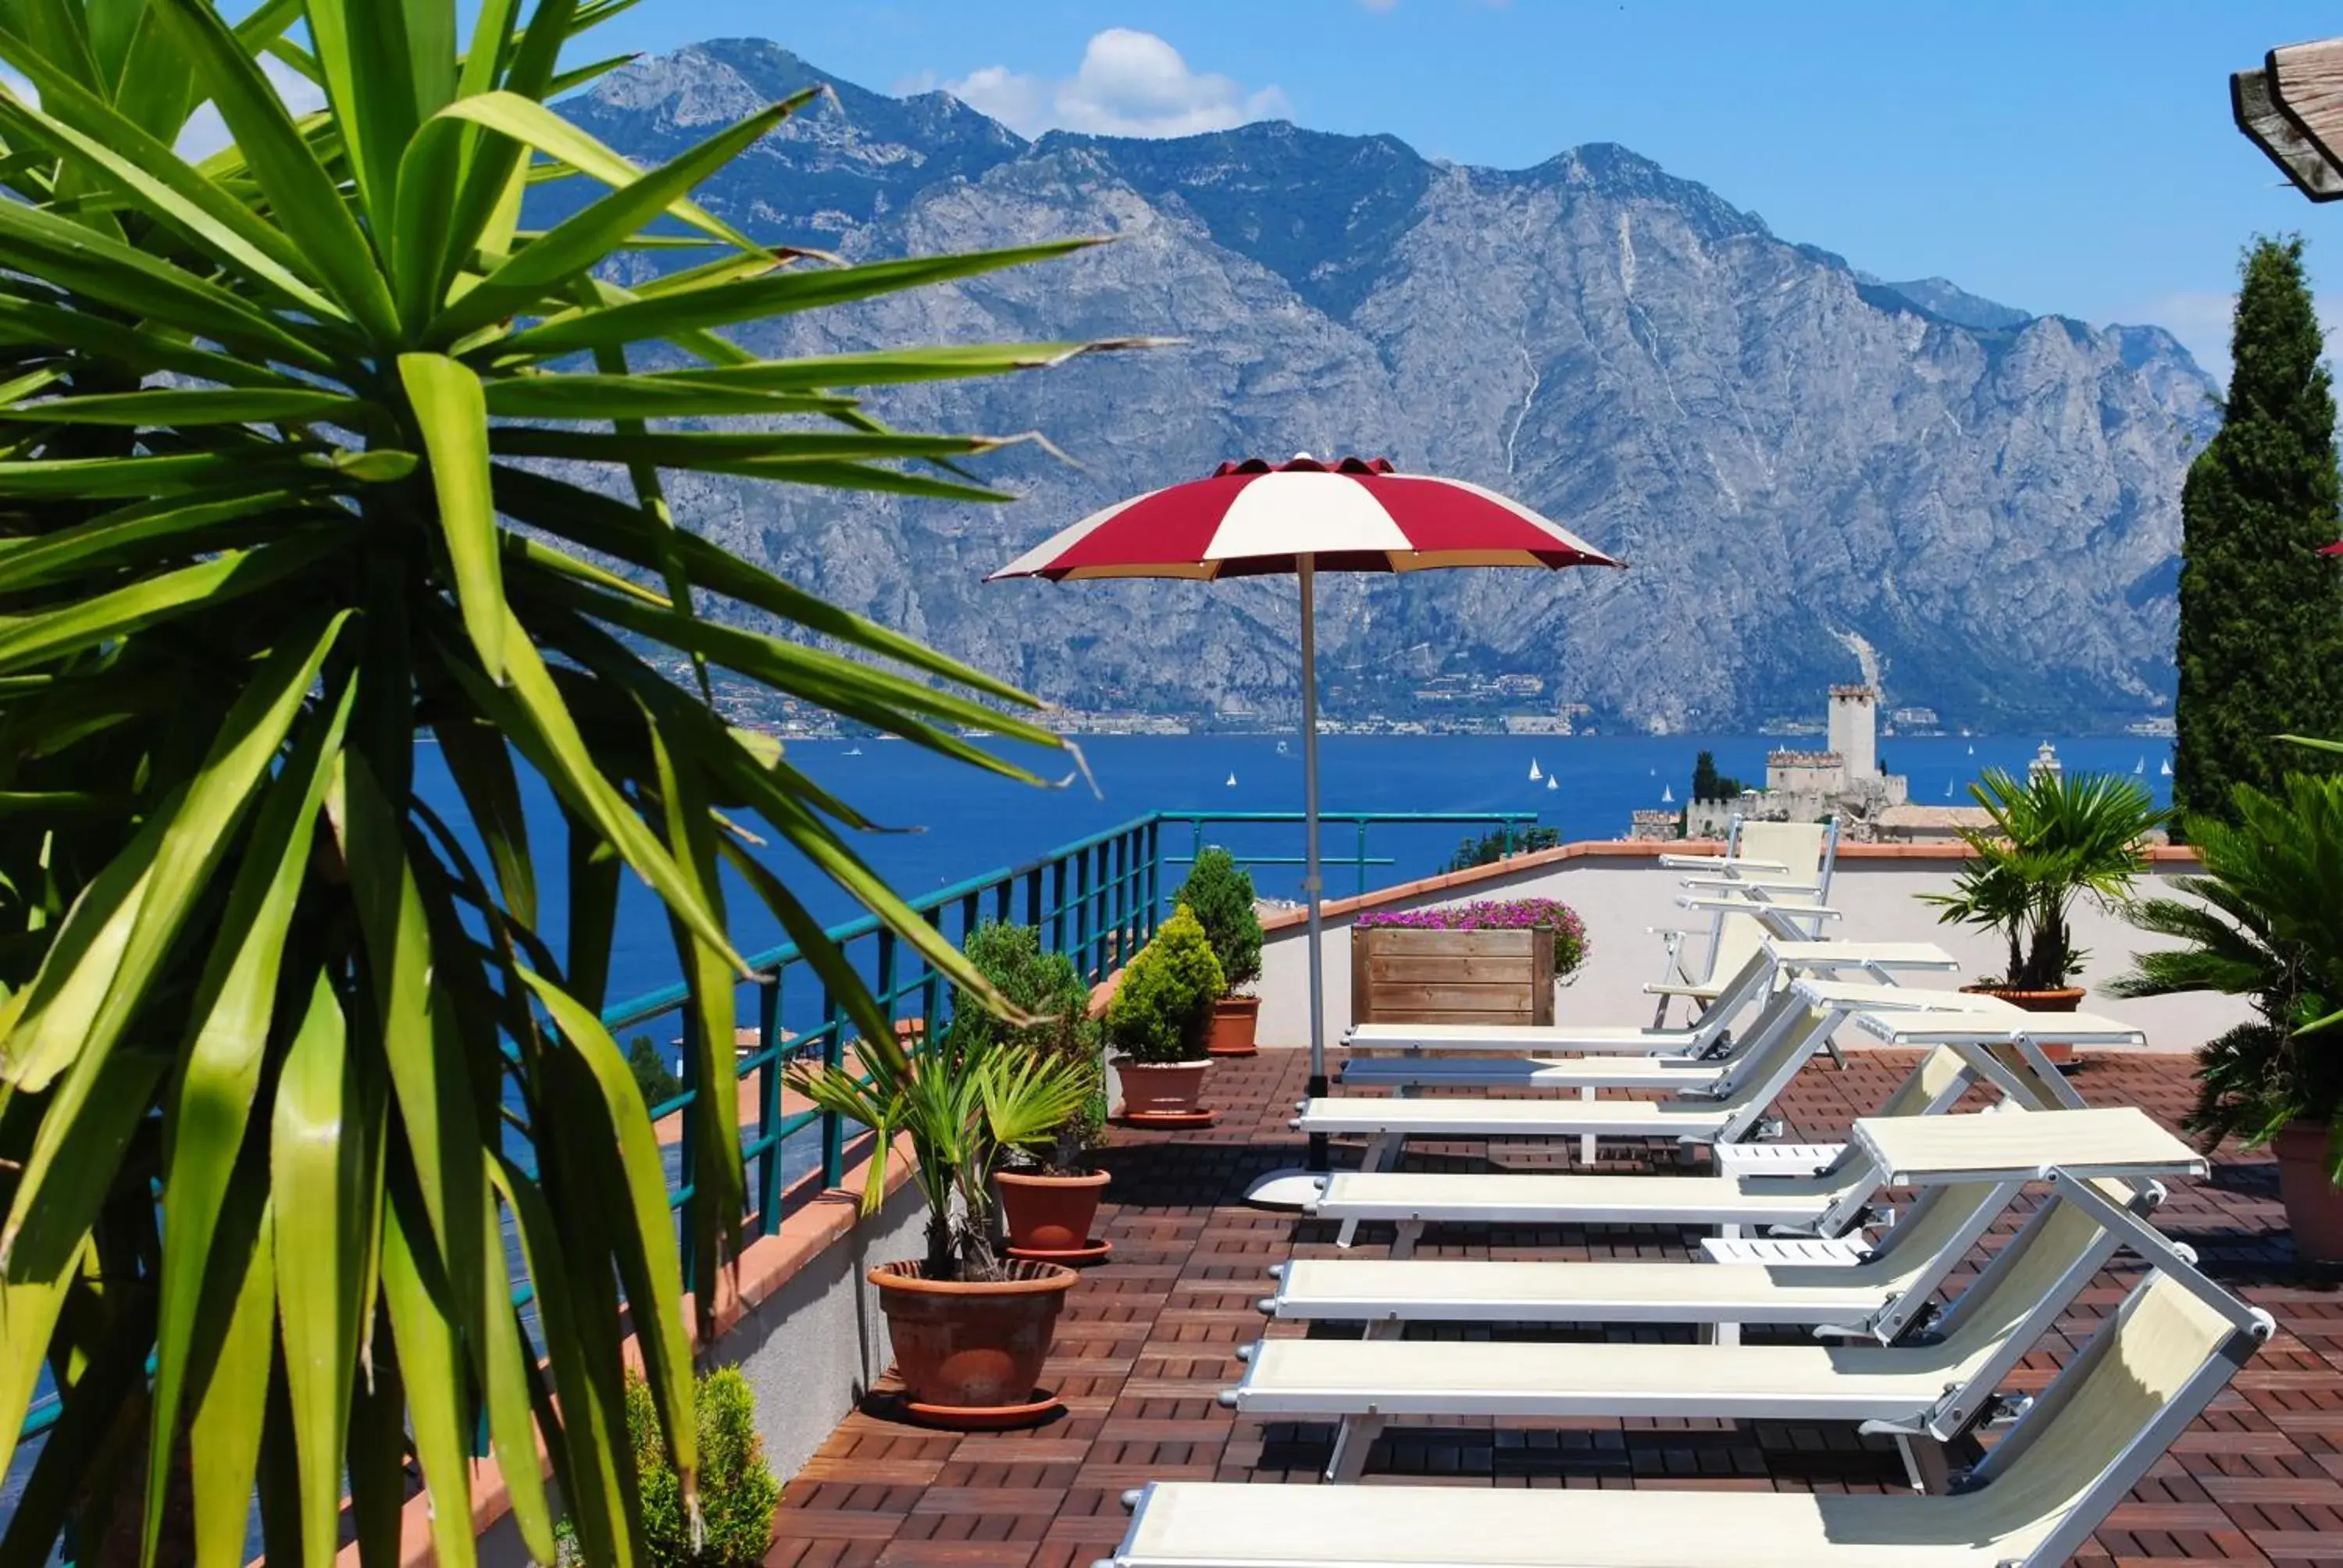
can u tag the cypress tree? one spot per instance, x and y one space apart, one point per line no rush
2261 615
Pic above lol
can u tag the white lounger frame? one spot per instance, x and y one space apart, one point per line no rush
1919 1432
1905 1294
1708 1037
1792 1030
1734 920
1837 1195
1939 1528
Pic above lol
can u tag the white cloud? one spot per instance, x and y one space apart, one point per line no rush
206 132
1129 84
2202 320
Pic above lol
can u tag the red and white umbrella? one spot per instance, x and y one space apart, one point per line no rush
1356 515
2333 550
1305 517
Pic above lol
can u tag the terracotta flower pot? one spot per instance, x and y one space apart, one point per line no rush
1234 1020
1165 1093
2314 1205
1049 1217
970 1354
2062 998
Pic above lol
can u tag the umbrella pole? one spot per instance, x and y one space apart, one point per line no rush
1297 1188
1312 882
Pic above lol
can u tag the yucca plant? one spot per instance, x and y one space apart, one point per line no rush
2265 922
2051 839
275 506
965 1098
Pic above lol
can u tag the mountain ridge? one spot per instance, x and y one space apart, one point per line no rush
1789 451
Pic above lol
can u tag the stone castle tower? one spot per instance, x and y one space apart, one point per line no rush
1855 731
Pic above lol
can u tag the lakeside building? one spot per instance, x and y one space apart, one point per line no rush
1844 780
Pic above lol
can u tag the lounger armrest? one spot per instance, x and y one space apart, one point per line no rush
1696 992
1718 863
1732 884
1754 906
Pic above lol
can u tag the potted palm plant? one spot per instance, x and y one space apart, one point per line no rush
2266 923
2051 839
1218 893
1048 1194
1157 1022
969 1329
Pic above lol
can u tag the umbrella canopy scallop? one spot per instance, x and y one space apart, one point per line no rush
1255 517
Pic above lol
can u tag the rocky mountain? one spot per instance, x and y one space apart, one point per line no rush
1797 460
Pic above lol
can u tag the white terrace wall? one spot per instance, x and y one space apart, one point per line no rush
1623 893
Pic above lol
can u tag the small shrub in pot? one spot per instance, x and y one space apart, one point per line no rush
1164 1002
1218 893
1158 1021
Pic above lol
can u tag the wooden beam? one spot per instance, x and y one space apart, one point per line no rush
2268 127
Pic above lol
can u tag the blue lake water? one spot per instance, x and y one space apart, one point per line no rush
957 822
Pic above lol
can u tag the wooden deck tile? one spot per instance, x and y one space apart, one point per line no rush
1148 1338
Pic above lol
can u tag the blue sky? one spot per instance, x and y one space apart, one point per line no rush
2068 155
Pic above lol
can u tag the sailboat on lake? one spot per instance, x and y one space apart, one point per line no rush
1551 782
1535 774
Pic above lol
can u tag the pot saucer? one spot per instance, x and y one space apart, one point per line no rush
1168 1120
980 1417
1089 1251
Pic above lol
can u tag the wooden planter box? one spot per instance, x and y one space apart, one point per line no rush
1399 975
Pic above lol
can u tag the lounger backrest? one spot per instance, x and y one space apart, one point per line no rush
2046 1096
1797 847
1942 1216
2013 1293
1935 1082
2108 1417
1733 942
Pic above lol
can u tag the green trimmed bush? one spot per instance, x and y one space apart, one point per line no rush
738 1494
1220 894
1049 986
1164 1004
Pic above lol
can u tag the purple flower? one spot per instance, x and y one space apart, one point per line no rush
1495 915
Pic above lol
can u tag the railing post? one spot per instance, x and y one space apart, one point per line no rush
1121 900
686 1150
768 1103
833 1129
931 988
1057 905
1081 948
1154 831
1362 866
1003 896
1033 902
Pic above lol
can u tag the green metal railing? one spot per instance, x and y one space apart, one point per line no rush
1507 823
1097 900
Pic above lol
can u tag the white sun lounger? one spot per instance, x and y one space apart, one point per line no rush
1728 1111
1756 979
1856 1291
1785 862
2151 1369
1828 1199
1968 1177
1925 1395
